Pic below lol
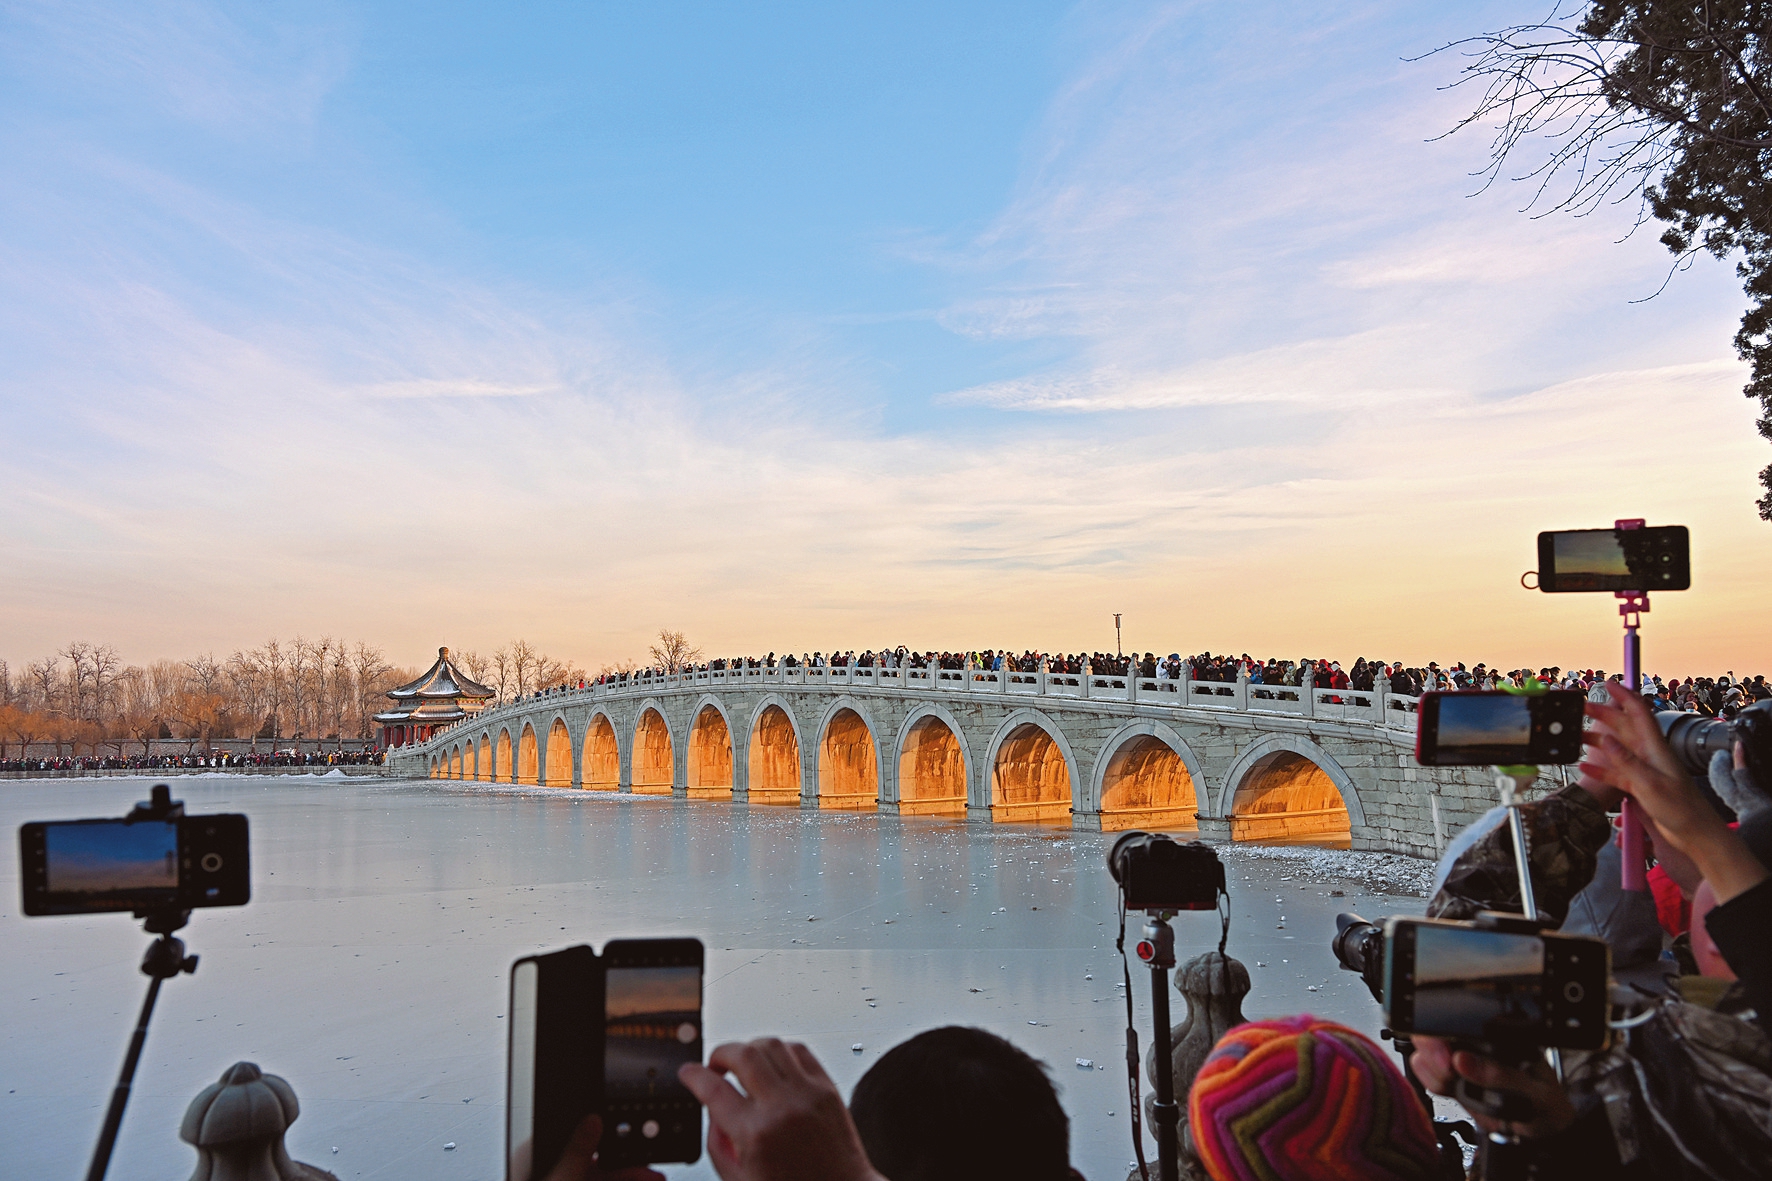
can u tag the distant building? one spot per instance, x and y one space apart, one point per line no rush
442 696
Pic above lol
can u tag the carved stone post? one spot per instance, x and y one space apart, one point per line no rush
1214 986
237 1127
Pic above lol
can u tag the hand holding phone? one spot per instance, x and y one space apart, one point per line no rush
604 1035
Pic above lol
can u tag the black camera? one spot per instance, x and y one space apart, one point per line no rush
1695 739
1359 946
1159 873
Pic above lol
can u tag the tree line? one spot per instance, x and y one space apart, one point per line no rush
85 696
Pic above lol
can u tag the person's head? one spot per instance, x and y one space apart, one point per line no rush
1302 1098
956 1104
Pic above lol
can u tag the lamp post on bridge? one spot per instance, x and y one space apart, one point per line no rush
1117 652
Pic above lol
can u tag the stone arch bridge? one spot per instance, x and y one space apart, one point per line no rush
1228 761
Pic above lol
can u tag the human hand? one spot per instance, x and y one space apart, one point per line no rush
1626 750
579 1161
1439 1066
790 1120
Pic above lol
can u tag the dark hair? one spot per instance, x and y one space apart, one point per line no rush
958 1104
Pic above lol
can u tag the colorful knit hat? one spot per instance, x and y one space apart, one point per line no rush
1306 1100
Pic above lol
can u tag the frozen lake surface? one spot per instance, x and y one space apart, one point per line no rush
370 969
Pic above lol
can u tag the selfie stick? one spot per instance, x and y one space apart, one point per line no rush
1630 826
165 959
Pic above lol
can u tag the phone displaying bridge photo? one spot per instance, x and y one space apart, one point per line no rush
652 1026
1477 984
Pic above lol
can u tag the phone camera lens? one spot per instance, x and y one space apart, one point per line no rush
1556 727
649 1129
1573 992
211 862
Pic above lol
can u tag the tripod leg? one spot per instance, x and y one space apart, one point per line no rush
107 1138
1165 1115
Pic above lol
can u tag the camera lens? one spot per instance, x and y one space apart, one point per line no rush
1573 992
210 862
1694 739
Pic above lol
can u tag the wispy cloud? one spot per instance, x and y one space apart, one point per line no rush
1263 377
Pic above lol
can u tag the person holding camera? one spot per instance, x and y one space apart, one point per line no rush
1688 1092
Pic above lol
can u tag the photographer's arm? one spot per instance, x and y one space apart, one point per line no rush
1625 750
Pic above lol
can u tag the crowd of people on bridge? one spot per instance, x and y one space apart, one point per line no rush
211 759
1721 695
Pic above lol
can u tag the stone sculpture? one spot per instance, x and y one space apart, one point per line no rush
237 1127
1214 986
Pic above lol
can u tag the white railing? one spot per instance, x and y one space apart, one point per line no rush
1375 707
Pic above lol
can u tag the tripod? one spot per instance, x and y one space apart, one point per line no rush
165 959
1157 950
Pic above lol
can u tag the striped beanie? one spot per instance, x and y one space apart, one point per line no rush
1300 1099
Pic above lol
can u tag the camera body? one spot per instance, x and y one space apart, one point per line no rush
1158 873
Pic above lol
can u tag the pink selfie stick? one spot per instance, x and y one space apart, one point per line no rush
1630 828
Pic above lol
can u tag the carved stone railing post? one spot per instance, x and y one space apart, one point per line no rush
237 1127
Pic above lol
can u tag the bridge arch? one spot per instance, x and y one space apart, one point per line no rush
654 753
772 759
1286 787
1032 771
1147 776
848 757
558 768
502 765
433 766
528 762
932 775
709 766
601 761
455 761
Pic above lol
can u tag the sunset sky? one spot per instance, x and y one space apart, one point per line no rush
807 326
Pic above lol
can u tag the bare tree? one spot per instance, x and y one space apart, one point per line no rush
625 665
44 677
524 659
673 652
339 690
206 676
368 667
1669 104
502 676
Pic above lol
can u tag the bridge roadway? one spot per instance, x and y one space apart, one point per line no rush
1228 761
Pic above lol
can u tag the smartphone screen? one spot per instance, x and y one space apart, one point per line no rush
1499 728
652 1025
1614 559
1469 983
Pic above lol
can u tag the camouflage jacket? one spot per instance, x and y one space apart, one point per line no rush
1564 833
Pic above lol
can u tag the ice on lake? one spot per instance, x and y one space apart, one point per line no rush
371 967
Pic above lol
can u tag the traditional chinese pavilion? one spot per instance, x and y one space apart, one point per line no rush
443 696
